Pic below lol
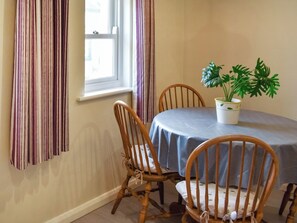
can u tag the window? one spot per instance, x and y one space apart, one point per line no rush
104 37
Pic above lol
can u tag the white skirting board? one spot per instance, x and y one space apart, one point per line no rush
89 206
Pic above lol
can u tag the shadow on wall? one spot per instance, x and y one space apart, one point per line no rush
93 166
6 74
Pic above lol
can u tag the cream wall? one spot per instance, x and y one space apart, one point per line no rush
92 167
169 28
238 32
1 47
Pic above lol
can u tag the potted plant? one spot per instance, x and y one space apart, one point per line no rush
241 81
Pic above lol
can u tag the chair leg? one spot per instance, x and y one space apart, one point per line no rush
179 199
121 194
184 217
161 191
145 202
293 209
286 198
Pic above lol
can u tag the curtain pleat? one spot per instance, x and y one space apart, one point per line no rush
39 115
145 59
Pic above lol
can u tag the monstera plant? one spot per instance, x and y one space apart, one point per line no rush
241 80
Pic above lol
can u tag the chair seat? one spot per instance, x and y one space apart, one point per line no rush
181 188
142 161
284 187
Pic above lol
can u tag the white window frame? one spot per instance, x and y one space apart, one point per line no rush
120 33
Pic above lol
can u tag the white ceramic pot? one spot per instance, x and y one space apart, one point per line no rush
227 112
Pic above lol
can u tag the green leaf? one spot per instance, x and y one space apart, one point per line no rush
211 76
262 82
241 70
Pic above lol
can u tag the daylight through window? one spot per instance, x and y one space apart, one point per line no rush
101 44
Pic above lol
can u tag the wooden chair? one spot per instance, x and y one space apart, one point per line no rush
289 195
179 96
140 160
228 178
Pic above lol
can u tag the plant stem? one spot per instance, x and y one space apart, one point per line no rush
226 93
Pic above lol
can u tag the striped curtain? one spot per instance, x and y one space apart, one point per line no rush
145 60
39 116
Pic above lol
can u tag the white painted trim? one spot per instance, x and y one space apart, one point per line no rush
89 206
104 93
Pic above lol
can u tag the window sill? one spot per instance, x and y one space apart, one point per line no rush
104 93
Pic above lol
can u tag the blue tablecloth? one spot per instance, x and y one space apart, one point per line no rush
176 133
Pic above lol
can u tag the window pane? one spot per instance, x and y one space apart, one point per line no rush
99 16
99 58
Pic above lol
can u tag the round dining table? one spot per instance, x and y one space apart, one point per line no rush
176 133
